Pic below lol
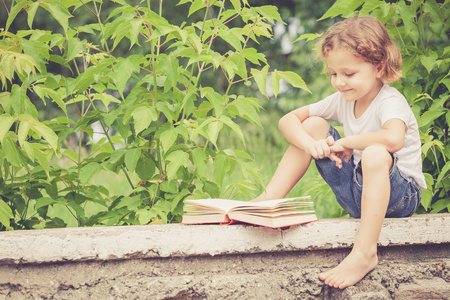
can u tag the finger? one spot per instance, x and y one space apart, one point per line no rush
330 140
320 147
336 159
326 149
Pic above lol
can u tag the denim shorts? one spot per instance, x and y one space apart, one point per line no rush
347 182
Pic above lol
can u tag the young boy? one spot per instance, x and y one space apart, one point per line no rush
375 171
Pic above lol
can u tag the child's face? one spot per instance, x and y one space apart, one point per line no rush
352 76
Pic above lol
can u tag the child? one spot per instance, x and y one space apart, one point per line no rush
381 147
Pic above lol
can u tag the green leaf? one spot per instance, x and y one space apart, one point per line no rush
59 12
246 109
168 138
73 47
169 67
431 7
233 37
130 202
85 79
275 82
44 131
307 36
145 168
443 173
235 127
252 55
213 131
132 157
88 171
18 7
145 215
41 158
17 96
440 205
31 10
56 97
236 5
44 201
106 99
77 208
123 71
221 167
431 115
269 13
294 79
429 61
6 121
230 67
22 134
341 7
10 152
177 160
135 28
175 201
5 214
261 78
143 116
199 160
408 14
427 194
195 6
216 99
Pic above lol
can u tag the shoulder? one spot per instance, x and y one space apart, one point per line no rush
390 98
332 99
392 104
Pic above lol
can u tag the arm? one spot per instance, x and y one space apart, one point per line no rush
292 127
391 136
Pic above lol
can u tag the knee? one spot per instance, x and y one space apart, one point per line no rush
376 158
317 127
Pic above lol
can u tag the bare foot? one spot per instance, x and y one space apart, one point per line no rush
351 270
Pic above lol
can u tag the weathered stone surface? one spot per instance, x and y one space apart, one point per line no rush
364 290
124 242
424 289
221 262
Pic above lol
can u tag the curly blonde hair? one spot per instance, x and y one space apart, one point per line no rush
365 37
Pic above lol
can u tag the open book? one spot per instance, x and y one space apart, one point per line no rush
272 213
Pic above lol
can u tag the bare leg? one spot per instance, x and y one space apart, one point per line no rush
376 163
294 163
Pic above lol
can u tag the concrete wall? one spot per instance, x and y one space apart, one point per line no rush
222 262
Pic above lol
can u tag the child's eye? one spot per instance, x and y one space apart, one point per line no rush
349 74
332 74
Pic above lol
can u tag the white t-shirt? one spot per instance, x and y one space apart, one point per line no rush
388 104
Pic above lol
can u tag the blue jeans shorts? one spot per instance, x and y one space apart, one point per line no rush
346 183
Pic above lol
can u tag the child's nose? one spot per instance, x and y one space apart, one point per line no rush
340 80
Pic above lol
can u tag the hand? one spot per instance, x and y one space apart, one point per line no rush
321 148
339 151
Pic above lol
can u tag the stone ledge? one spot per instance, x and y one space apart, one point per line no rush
176 240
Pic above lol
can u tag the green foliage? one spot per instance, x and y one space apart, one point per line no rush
159 122
422 31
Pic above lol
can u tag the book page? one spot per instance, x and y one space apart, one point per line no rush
226 205
215 204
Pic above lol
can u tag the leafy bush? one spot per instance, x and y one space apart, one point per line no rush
159 121
421 29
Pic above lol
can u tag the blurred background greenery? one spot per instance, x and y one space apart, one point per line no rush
265 143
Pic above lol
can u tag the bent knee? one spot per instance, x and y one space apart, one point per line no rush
316 127
376 158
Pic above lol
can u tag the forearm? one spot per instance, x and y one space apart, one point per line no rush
391 142
294 132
